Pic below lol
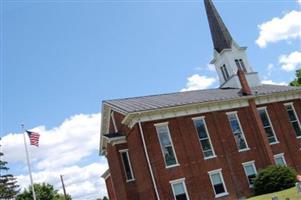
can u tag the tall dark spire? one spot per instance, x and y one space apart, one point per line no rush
220 35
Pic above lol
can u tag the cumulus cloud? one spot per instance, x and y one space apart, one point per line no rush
270 82
290 62
197 82
62 150
285 28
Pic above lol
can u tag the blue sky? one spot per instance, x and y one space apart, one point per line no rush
60 59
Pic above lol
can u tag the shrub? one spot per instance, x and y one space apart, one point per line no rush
274 178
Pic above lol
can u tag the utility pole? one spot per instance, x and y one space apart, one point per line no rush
65 195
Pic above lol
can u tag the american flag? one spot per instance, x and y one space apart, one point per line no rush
34 138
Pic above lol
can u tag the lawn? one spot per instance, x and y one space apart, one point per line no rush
289 193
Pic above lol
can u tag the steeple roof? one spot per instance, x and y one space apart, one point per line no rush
220 35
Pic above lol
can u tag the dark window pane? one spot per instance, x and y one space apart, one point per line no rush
169 156
251 179
181 197
164 138
297 128
219 188
205 145
126 166
235 126
264 118
240 142
292 115
201 129
208 153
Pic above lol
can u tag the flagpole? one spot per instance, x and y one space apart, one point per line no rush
28 163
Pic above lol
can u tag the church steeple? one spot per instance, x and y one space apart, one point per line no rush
228 57
220 35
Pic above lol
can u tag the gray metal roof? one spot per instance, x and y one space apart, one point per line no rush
145 103
220 35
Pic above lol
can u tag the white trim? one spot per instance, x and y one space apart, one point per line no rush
130 165
218 171
161 124
232 112
115 140
280 155
165 124
181 180
270 122
208 135
148 161
114 122
252 163
296 115
106 174
242 131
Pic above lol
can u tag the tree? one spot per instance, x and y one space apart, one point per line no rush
8 183
43 191
274 178
297 81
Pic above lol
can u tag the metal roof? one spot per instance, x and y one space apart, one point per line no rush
145 103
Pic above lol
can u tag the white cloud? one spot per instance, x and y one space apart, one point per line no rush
285 28
62 150
270 82
211 67
299 1
197 82
290 62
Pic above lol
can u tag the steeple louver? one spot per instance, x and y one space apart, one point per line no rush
220 35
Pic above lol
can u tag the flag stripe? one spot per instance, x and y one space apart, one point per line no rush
33 138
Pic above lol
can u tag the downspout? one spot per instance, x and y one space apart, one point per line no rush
148 161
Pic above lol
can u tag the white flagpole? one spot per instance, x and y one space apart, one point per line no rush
28 164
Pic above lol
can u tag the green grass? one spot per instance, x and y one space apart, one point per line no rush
289 193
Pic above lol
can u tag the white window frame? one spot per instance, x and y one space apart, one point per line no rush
181 180
252 163
130 164
298 121
242 131
218 171
208 135
173 148
280 155
271 125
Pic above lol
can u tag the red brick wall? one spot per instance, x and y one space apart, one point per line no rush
189 154
110 188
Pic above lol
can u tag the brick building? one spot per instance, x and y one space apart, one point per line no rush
203 144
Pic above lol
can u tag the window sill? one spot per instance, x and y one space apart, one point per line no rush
171 166
277 142
298 137
211 157
221 195
131 180
242 150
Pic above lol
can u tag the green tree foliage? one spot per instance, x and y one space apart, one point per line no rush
274 178
8 183
105 198
43 191
297 81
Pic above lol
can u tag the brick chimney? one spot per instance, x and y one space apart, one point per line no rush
245 88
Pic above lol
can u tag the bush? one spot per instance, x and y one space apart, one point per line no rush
274 178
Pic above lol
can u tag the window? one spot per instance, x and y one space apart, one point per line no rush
240 64
166 145
237 131
279 159
127 165
269 131
225 72
250 171
204 137
293 118
179 189
218 183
